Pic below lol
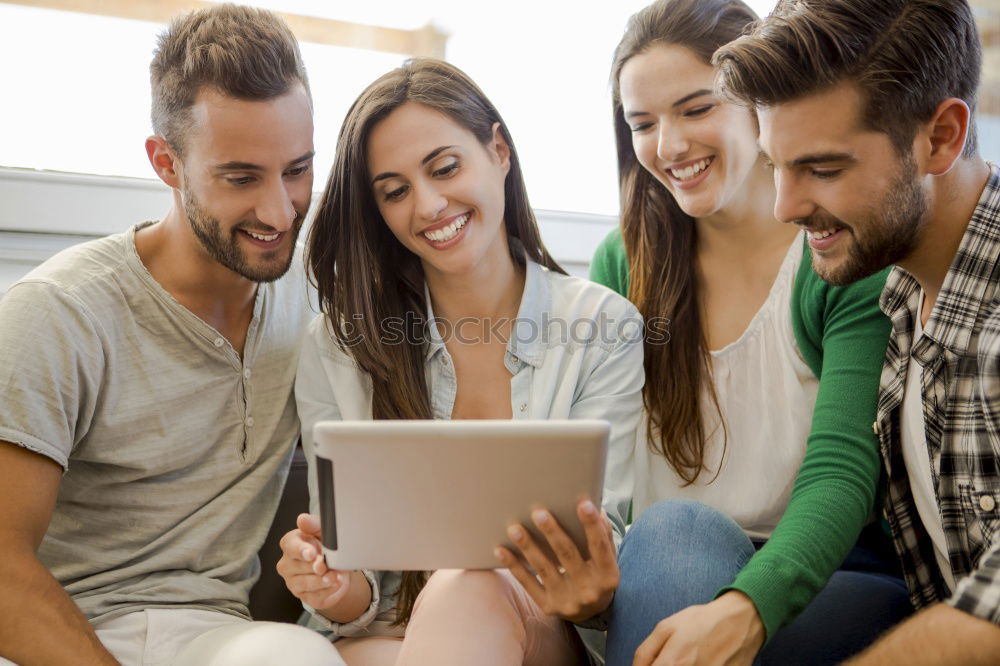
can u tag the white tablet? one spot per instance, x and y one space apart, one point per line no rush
425 495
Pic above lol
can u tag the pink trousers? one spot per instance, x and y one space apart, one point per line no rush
472 617
484 618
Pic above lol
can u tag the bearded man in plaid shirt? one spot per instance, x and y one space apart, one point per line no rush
866 113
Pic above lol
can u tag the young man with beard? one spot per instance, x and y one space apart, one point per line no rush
147 415
865 111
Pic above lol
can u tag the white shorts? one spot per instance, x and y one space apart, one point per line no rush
189 637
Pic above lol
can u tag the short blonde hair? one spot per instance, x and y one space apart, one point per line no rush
242 52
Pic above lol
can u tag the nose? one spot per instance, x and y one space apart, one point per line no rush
275 208
429 201
792 201
671 143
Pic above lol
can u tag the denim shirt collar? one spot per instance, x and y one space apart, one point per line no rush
527 340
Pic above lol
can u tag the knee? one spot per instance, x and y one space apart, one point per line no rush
463 587
260 644
682 516
684 525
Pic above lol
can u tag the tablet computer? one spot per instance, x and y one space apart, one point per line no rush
425 495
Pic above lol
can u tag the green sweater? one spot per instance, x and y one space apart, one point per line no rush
842 336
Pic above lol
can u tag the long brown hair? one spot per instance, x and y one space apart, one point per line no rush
366 278
660 241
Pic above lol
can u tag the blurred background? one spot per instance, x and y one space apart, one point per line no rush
75 107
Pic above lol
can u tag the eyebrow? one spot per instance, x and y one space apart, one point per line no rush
250 166
823 158
682 100
815 158
427 158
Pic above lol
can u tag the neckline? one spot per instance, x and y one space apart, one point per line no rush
788 264
204 329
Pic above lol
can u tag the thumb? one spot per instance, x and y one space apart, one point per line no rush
308 523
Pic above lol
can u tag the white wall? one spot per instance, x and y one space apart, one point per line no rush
43 212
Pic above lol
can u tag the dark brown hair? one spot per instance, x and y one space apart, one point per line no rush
906 56
245 53
366 277
660 240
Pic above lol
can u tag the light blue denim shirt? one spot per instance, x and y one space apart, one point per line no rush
575 352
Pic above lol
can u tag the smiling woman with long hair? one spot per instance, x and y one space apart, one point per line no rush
425 218
756 466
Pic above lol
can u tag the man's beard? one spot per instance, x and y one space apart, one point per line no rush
890 232
227 251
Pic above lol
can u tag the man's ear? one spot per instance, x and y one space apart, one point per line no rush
944 135
164 160
500 148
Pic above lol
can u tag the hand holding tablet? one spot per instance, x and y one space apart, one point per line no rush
570 585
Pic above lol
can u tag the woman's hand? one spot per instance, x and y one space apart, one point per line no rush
572 588
727 631
304 569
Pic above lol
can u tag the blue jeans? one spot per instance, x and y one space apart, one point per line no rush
680 553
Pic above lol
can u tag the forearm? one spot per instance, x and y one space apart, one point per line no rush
355 602
41 624
938 635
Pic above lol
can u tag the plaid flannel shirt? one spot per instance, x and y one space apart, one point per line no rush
960 356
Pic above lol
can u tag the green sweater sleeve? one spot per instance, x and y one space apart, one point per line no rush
610 264
842 335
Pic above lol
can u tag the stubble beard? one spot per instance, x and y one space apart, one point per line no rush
227 251
891 231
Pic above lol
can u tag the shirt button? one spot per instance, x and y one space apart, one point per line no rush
515 359
524 406
987 503
219 342
249 421
246 373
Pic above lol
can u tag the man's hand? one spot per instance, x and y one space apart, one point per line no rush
727 631
572 588
304 569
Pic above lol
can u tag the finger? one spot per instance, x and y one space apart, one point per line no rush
521 573
319 566
599 542
297 545
650 649
309 523
308 583
289 566
334 598
608 527
536 559
564 548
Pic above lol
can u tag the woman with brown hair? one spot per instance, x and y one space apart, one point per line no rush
756 468
440 301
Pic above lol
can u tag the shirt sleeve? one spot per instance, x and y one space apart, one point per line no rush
609 266
316 401
834 491
979 592
51 369
613 392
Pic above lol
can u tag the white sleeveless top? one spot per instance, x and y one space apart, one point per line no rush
766 393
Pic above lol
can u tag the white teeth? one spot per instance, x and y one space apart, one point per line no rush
820 235
449 232
262 237
687 173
